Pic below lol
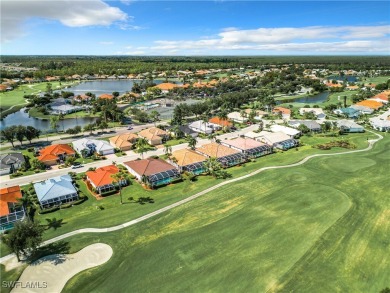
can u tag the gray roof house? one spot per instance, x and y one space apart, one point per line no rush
311 124
349 126
56 191
101 147
11 162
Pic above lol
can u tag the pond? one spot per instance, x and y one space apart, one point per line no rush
22 118
349 78
99 87
319 98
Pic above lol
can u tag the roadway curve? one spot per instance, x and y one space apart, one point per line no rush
192 197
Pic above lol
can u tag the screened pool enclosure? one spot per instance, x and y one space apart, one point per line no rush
163 178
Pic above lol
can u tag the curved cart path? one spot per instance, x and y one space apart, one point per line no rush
192 197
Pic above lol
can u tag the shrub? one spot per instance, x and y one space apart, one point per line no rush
48 210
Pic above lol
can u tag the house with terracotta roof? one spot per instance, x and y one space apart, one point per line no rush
56 191
101 179
286 113
370 104
188 161
82 98
154 135
10 210
249 147
56 153
221 122
166 87
153 172
106 96
382 97
228 157
11 162
124 142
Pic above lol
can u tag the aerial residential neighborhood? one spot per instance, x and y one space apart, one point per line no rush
215 146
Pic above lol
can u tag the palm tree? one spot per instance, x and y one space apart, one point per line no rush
27 203
212 166
167 150
118 178
141 146
191 142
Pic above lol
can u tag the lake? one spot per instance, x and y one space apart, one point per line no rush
319 98
22 118
99 87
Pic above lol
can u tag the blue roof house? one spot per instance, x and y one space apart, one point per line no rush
56 191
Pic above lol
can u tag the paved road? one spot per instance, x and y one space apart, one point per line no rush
188 199
6 181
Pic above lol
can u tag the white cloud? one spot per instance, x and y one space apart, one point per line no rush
106 43
72 13
343 39
130 27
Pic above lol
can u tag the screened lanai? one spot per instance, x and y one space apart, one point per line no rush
164 177
287 144
195 168
258 151
231 160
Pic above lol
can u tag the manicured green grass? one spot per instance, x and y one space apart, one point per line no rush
319 227
312 228
15 97
375 80
173 142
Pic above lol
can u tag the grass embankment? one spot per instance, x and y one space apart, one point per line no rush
33 112
319 227
15 98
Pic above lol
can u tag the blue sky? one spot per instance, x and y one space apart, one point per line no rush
96 27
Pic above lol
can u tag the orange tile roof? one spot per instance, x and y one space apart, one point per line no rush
186 157
329 84
282 110
370 104
152 133
51 152
166 86
222 122
216 150
106 96
123 140
9 194
102 176
382 96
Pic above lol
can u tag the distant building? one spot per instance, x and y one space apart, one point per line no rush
349 126
312 125
349 112
286 113
92 146
318 112
237 117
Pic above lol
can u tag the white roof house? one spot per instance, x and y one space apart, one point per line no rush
277 139
379 123
204 127
349 126
291 132
253 135
362 109
101 147
316 111
237 117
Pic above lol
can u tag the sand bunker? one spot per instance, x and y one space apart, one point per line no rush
50 273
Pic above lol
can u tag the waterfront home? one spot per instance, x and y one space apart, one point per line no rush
154 135
10 209
291 132
106 96
166 87
249 147
124 142
101 179
349 126
188 161
153 172
55 191
56 153
228 157
87 147
11 162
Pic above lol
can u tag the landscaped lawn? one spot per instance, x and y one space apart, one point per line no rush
15 97
319 227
